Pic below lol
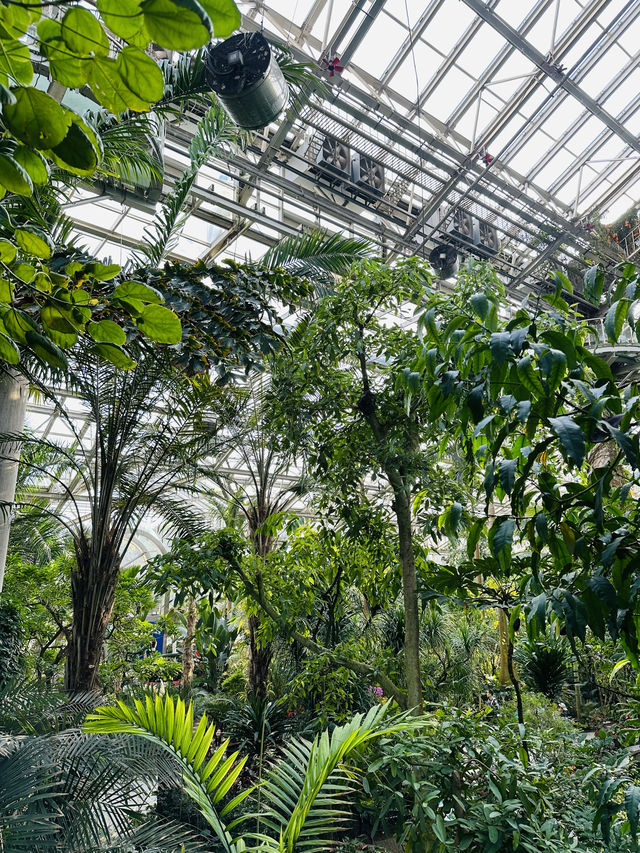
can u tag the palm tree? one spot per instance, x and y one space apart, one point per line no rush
149 427
262 502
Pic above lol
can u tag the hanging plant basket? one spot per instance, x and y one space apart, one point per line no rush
245 76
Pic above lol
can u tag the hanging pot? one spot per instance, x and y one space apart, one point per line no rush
247 80
444 260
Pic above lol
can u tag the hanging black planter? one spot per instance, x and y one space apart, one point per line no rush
247 80
444 260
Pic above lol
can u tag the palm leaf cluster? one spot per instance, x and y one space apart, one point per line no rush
303 798
214 134
65 791
171 725
317 255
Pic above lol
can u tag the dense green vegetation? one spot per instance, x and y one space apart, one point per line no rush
412 624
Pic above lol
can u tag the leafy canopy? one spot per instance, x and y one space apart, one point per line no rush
80 50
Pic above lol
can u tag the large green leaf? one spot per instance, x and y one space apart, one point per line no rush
17 324
7 252
15 61
177 24
224 15
36 118
65 67
507 474
110 89
479 304
6 291
78 152
631 805
160 324
501 535
115 354
106 331
123 17
33 163
137 290
570 436
14 177
83 33
34 241
528 375
9 352
553 365
46 351
141 74
593 284
102 272
55 320
614 319
499 343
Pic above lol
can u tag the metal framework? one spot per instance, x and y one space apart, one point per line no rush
520 115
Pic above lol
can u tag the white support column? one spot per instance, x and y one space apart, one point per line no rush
14 392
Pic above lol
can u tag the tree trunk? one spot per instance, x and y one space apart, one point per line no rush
410 598
259 660
93 589
188 648
14 393
503 641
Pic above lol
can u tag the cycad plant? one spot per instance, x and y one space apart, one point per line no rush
300 803
544 665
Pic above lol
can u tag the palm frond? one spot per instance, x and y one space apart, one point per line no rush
215 133
305 796
170 726
131 151
317 254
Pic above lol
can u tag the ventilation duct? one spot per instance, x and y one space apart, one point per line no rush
247 80
444 260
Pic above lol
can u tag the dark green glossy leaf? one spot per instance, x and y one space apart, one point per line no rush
593 284
614 319
570 436
46 351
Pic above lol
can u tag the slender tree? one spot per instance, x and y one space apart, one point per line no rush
345 397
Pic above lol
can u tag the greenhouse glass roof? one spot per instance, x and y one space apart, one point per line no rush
511 125
508 128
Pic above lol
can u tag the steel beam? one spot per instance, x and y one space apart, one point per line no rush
553 71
